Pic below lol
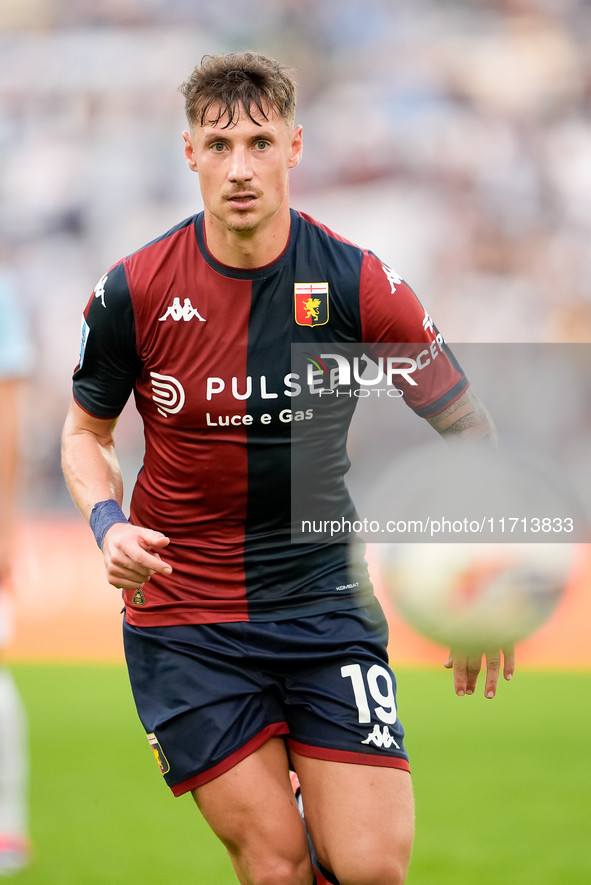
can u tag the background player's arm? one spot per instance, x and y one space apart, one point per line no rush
92 474
466 419
9 389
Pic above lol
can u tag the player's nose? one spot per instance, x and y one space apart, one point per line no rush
240 167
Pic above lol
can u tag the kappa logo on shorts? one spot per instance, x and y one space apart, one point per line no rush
139 598
161 759
311 304
382 739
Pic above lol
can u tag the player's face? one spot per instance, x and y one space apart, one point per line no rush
243 169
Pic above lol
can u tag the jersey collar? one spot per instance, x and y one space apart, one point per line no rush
247 273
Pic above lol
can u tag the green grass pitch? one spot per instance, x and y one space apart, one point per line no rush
502 788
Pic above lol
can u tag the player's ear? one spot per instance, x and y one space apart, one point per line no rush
296 147
189 152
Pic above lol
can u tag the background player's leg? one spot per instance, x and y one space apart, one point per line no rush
13 776
252 809
360 818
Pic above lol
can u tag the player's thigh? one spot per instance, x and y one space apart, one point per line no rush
252 809
360 818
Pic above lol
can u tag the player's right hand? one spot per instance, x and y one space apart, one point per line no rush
131 556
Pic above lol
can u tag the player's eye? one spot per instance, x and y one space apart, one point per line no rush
217 147
261 145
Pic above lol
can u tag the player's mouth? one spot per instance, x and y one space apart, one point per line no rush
244 200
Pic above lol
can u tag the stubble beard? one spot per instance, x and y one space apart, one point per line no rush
242 226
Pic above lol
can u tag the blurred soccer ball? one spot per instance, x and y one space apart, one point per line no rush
476 596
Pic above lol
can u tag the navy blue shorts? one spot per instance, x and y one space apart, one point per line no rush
209 695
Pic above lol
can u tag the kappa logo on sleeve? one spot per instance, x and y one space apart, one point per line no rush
99 289
393 277
311 304
161 759
428 323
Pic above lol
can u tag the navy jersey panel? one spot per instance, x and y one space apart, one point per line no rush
105 375
206 350
207 690
282 578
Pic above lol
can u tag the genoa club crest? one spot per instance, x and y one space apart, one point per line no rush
311 304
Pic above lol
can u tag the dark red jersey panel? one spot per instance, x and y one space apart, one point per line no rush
192 334
391 312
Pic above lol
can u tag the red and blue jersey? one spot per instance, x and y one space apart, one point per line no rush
206 350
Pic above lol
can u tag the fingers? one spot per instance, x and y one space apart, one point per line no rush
493 667
457 661
509 665
129 576
129 561
473 665
153 539
467 665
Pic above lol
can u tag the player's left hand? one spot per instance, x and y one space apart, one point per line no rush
466 667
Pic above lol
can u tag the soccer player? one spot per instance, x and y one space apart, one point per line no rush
15 359
248 654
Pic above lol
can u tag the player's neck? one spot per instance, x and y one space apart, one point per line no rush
254 248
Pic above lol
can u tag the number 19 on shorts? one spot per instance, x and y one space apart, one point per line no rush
378 678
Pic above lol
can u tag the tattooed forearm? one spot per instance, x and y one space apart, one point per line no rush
441 417
466 419
470 420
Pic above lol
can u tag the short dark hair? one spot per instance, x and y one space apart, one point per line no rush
238 80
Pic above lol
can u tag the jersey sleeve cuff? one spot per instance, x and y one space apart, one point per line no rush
444 401
93 410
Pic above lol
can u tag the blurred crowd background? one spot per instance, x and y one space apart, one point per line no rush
452 138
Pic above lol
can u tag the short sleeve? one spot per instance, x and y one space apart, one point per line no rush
391 313
16 354
108 365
